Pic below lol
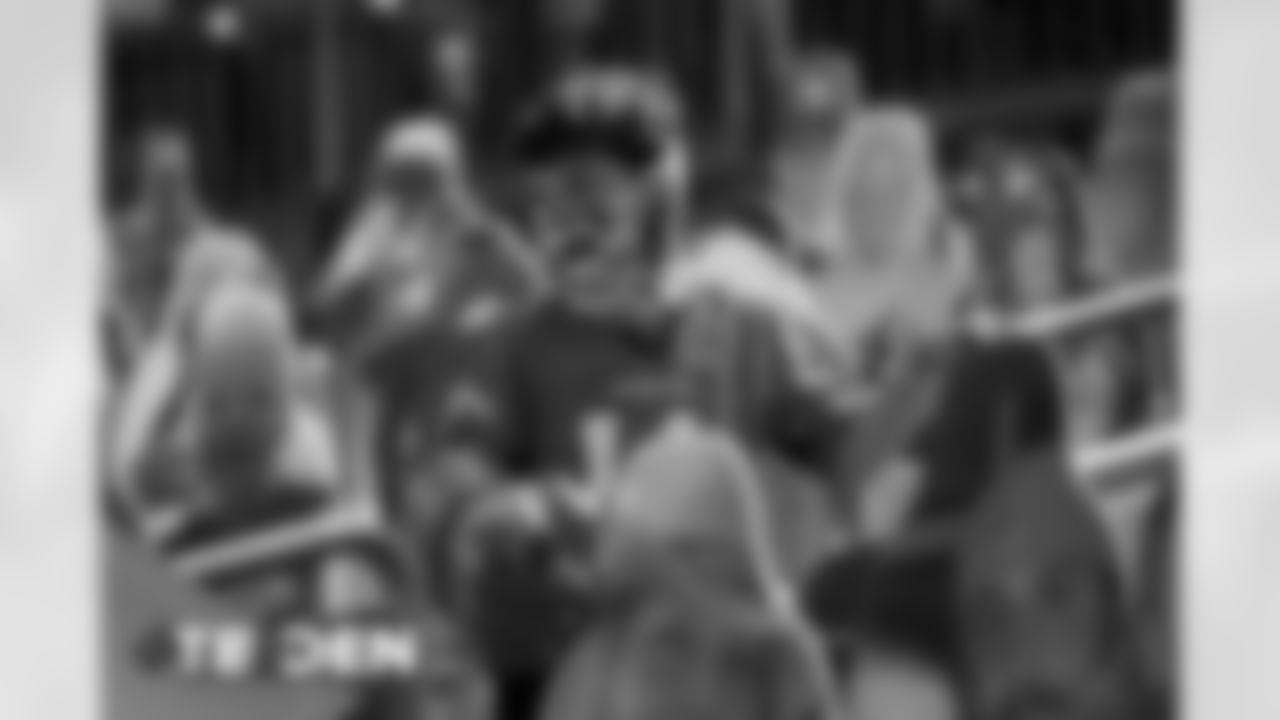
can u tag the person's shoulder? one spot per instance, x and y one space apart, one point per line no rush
732 264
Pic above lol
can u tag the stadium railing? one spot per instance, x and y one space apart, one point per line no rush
1107 462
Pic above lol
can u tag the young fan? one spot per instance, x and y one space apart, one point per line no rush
606 362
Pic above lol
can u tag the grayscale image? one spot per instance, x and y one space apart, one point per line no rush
640 359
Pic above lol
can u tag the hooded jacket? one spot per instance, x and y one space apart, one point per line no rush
701 622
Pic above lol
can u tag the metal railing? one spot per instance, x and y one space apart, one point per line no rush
1100 461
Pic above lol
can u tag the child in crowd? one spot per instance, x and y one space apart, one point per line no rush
608 361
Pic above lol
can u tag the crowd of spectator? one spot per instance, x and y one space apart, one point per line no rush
806 452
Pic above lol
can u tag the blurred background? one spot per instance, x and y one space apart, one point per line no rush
284 102
285 98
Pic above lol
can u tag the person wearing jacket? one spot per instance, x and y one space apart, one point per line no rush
598 367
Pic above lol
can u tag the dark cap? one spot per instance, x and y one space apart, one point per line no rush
624 115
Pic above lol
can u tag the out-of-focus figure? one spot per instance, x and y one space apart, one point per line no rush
419 246
885 196
1045 624
883 260
419 284
954 411
225 427
168 213
607 360
699 621
825 96
206 262
1023 204
1134 184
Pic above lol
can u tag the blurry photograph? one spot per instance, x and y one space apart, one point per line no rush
644 359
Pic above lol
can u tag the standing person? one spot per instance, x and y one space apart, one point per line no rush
168 214
603 361
418 233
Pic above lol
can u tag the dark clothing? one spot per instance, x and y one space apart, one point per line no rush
560 369
902 604
412 380
999 400
521 695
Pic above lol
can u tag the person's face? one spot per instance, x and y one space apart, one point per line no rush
1040 644
588 221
